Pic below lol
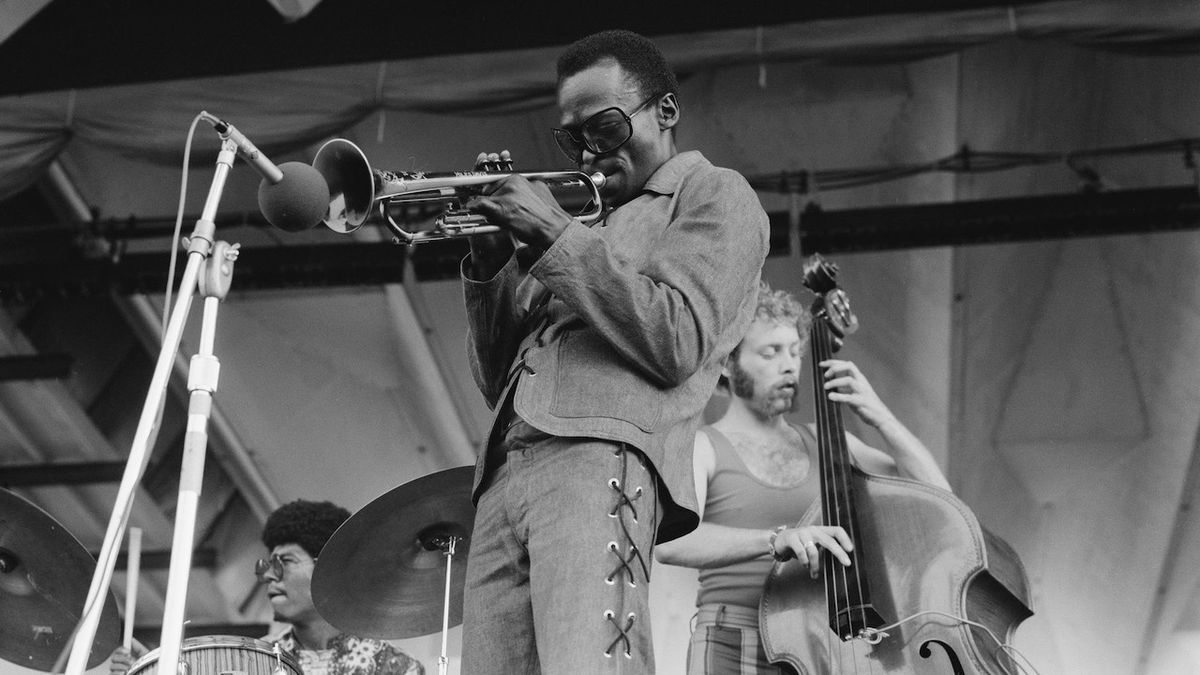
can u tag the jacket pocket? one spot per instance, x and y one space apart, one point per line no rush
594 381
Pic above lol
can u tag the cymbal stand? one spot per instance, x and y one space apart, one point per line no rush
210 270
446 543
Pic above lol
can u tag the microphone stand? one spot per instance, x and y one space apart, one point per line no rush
209 269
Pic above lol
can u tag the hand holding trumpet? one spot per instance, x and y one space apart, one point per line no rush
524 207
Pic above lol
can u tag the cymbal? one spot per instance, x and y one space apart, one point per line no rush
45 575
381 575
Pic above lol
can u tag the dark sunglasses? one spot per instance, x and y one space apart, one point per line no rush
603 132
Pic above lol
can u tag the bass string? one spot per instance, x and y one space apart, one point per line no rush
834 583
847 587
845 491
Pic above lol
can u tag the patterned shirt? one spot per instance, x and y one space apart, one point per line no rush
349 655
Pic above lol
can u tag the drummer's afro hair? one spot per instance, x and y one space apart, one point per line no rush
307 524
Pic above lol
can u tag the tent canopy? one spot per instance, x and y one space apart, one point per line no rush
1056 381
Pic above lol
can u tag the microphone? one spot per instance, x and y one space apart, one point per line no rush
299 201
293 197
265 167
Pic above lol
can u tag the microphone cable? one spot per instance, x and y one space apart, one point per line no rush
187 154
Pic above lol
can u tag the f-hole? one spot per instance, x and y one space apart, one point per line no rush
926 653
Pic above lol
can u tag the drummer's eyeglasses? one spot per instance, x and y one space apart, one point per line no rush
276 564
603 132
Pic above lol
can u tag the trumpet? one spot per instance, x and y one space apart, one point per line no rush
354 188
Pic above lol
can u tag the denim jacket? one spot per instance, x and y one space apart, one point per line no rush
619 330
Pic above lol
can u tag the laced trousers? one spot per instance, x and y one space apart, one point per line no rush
558 571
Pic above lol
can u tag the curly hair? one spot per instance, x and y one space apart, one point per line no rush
307 524
636 54
783 308
777 307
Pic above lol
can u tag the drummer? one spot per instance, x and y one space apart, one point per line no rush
295 534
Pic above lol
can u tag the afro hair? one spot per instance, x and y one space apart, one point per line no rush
307 524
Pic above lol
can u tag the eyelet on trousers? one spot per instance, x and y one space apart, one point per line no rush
558 571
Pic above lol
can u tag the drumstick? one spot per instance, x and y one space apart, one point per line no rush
133 568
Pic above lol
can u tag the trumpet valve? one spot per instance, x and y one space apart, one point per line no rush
458 217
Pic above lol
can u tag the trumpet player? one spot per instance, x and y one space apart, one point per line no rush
597 346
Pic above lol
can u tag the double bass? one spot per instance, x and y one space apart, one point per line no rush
928 591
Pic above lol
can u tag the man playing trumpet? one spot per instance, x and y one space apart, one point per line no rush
598 347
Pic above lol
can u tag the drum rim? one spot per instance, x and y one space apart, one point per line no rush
202 641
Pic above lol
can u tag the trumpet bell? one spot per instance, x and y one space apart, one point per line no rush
351 184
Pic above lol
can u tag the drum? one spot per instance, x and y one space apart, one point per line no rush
223 655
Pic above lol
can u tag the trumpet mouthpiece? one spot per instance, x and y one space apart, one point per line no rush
598 179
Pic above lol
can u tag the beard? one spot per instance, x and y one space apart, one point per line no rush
765 404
